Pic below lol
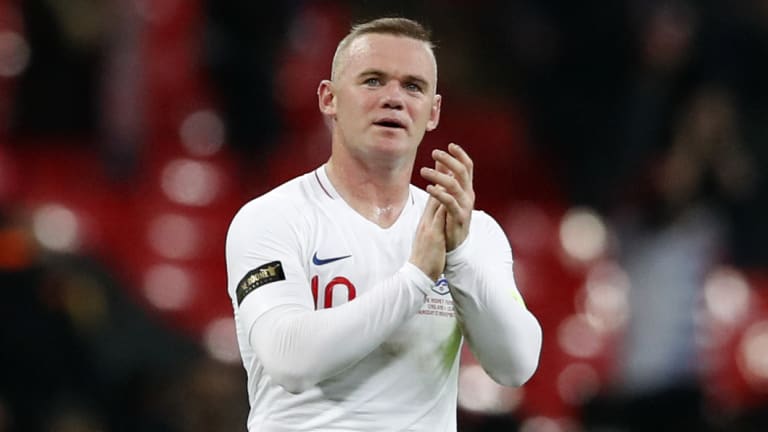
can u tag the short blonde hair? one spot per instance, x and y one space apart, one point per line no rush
392 26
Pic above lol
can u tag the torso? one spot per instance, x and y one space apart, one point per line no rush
409 382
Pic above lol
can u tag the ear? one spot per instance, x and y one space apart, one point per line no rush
326 100
434 113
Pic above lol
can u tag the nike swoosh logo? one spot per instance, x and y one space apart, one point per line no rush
319 261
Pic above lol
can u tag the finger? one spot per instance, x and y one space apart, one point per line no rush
459 153
440 167
454 166
447 181
430 211
446 199
431 208
462 198
440 216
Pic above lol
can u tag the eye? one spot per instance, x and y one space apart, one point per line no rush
413 87
372 82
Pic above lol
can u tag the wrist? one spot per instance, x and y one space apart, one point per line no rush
419 277
432 274
460 253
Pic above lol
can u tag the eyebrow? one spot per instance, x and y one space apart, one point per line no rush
408 78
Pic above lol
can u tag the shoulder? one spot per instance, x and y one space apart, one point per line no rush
283 206
484 218
485 226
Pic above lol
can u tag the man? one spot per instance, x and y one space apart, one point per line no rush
352 289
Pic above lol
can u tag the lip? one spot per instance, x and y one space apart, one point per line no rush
390 123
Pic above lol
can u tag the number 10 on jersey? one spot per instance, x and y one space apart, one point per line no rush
338 281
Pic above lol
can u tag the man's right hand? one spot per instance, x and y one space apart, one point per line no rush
428 250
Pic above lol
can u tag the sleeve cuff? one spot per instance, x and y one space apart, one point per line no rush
460 254
417 278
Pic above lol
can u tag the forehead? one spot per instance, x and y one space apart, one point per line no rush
396 55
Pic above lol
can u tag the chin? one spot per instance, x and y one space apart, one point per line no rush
390 151
395 147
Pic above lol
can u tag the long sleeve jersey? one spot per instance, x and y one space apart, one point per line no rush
338 332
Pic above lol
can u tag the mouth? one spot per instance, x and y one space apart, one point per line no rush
390 123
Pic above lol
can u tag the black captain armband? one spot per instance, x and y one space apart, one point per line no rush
260 276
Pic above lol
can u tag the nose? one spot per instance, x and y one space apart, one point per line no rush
392 96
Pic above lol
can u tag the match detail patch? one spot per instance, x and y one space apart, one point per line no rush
441 286
270 272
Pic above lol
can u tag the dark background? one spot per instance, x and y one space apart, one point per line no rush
621 144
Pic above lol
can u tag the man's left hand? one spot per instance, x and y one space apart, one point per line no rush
452 186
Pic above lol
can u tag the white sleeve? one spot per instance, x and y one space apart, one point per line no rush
264 233
502 334
300 347
297 345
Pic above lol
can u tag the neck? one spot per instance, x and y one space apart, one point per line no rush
378 193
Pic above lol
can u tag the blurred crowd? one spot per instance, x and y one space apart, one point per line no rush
621 144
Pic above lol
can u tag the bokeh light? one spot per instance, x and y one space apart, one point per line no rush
168 287
174 236
202 133
578 338
191 182
606 298
220 340
14 54
754 355
57 228
583 234
577 383
727 296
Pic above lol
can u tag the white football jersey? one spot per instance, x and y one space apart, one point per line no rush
303 245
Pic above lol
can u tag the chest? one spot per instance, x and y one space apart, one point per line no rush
347 257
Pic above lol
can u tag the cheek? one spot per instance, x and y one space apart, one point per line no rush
420 113
368 102
357 105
